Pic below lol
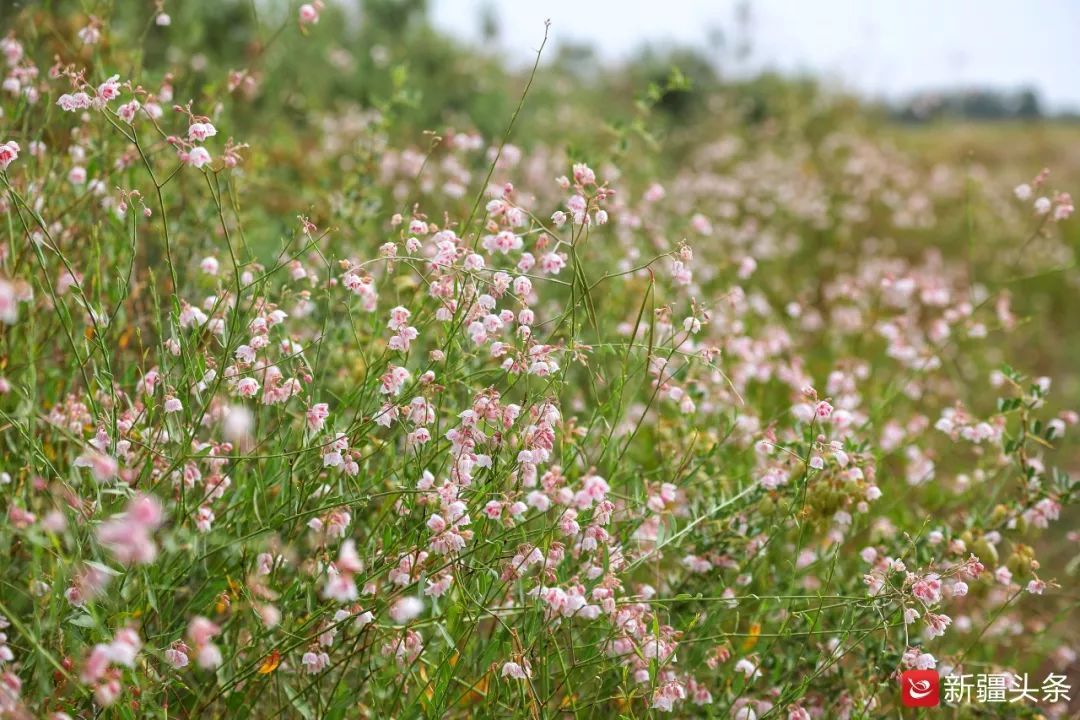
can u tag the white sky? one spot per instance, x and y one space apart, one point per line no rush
878 47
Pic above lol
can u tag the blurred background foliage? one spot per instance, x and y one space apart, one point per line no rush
382 65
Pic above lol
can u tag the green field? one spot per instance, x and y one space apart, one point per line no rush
347 371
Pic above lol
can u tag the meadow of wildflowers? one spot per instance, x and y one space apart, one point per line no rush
347 379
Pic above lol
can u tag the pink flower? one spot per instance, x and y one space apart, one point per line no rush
201 632
209 657
406 609
247 387
516 671
204 519
129 536
436 523
96 664
71 103
316 416
927 590
936 625
665 696
110 89
315 662
341 586
124 647
108 691
127 111
9 152
439 586
177 655
146 510
102 466
583 174
309 13
198 157
1063 206
198 132
96 669
9 303
91 34
747 266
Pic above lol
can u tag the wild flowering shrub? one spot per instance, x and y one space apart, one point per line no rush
495 430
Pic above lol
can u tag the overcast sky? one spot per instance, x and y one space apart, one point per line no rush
878 47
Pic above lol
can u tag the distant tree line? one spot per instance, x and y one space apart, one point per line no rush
973 104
